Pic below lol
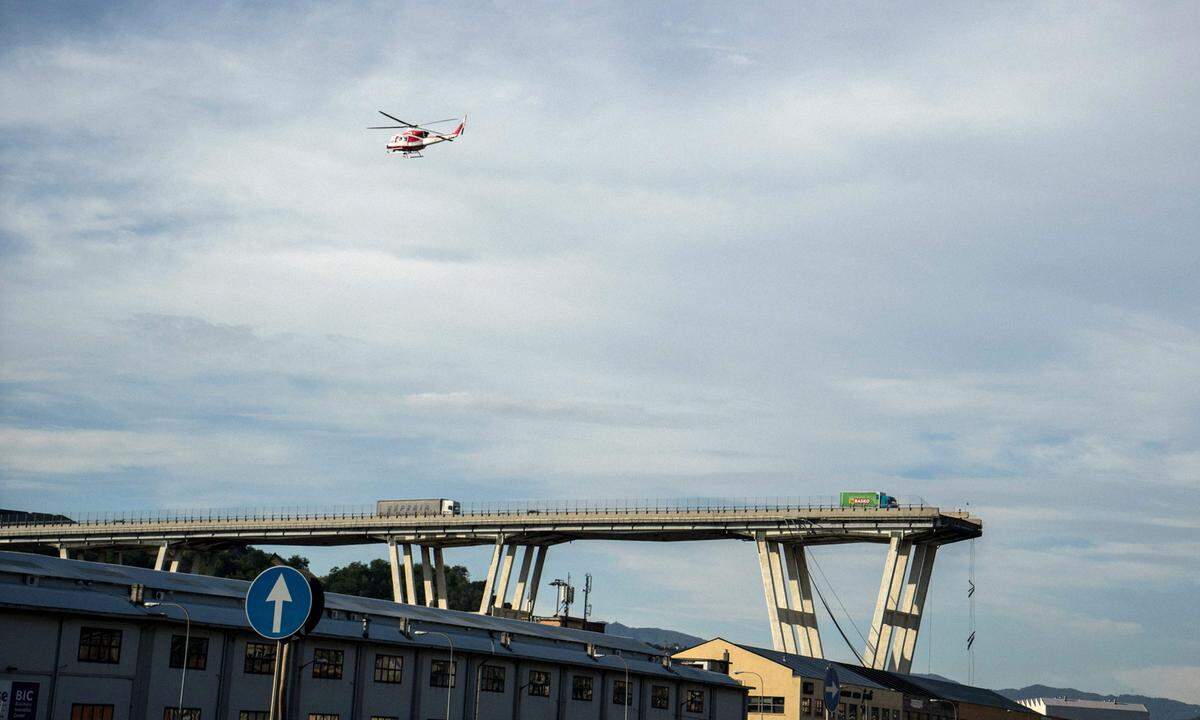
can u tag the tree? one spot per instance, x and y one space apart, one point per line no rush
375 580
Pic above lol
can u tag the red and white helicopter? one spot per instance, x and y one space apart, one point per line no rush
416 138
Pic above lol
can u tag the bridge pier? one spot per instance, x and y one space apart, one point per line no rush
499 577
908 618
788 590
489 584
880 635
439 579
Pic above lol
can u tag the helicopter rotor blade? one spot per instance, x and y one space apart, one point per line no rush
387 127
393 117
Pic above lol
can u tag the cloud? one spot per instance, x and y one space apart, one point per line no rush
678 252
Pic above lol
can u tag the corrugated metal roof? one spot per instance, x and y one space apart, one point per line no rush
812 667
102 589
921 686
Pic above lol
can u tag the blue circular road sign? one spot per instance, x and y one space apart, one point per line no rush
833 691
279 602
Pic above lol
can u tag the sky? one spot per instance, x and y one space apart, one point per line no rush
944 250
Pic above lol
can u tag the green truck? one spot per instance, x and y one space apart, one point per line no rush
868 500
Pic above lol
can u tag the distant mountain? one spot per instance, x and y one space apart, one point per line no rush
24 516
1160 708
658 637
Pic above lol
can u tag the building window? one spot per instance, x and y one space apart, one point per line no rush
539 683
818 707
173 713
868 694
324 716
765 704
695 701
442 673
99 645
327 664
260 659
855 694
808 687
492 678
875 714
581 688
389 668
253 715
806 706
853 715
660 697
91 712
384 717
621 694
197 652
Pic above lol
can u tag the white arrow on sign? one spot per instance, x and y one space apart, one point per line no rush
279 595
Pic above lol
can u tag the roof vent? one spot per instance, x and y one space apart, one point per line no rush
506 639
32 580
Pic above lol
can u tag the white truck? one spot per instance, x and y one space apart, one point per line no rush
428 506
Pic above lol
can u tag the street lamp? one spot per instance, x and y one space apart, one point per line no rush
479 676
187 638
760 687
624 700
451 675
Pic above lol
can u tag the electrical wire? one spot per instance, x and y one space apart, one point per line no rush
837 624
835 597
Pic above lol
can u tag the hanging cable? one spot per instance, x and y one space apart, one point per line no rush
835 597
836 624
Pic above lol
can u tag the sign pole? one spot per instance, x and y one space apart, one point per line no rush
274 707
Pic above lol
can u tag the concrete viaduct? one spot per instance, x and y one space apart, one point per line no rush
780 532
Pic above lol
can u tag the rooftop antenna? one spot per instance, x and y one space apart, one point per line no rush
587 594
566 595
971 601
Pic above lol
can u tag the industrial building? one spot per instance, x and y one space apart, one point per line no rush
786 685
1087 709
77 645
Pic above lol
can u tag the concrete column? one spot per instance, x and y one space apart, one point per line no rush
64 553
174 563
427 576
510 551
879 638
904 643
439 579
800 589
523 578
410 579
768 581
489 584
160 562
394 562
535 581
786 619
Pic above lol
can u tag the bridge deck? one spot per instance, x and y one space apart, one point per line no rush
921 524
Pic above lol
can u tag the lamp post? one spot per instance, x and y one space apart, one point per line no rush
760 687
625 700
451 675
479 677
187 638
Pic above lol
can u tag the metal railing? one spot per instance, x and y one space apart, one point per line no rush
618 506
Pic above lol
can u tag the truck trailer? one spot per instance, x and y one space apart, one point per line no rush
426 506
868 500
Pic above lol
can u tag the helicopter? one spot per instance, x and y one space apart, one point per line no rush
416 138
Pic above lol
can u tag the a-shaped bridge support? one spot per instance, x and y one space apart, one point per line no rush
788 590
495 587
892 639
404 580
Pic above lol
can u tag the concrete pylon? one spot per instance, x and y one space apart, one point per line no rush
890 585
410 579
427 576
908 618
535 580
394 563
506 566
803 613
523 578
439 579
771 590
485 605
160 561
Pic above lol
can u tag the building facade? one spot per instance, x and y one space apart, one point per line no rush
73 642
787 685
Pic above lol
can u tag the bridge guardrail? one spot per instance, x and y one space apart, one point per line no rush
619 506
